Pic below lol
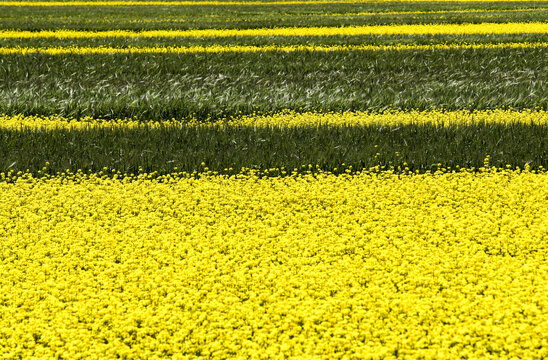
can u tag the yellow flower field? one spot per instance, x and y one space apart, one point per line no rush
294 119
395 29
443 265
274 179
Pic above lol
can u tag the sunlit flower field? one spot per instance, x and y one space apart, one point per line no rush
372 265
273 179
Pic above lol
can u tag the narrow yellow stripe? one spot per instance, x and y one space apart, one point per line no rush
246 48
293 119
217 3
405 29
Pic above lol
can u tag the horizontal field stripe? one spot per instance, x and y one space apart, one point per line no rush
250 49
379 13
294 119
415 29
371 13
224 3
241 260
267 48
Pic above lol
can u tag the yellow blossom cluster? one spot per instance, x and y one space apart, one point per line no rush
394 29
375 265
295 119
107 50
392 117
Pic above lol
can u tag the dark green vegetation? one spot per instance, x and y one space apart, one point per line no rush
253 16
422 147
215 85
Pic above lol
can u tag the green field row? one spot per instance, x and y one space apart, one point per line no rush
262 41
165 86
185 23
243 17
228 149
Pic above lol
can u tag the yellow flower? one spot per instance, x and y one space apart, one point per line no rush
369 265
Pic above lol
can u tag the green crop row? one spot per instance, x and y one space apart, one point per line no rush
160 86
185 17
420 147
277 40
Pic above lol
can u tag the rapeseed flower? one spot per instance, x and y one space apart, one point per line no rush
290 118
357 30
372 265
107 50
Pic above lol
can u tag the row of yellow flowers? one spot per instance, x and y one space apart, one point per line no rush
108 50
395 29
368 266
295 119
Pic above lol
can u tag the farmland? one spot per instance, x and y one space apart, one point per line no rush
273 179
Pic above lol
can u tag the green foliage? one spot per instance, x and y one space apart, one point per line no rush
276 40
159 86
187 17
163 149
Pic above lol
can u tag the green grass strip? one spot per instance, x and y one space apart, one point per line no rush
166 86
419 147
420 141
